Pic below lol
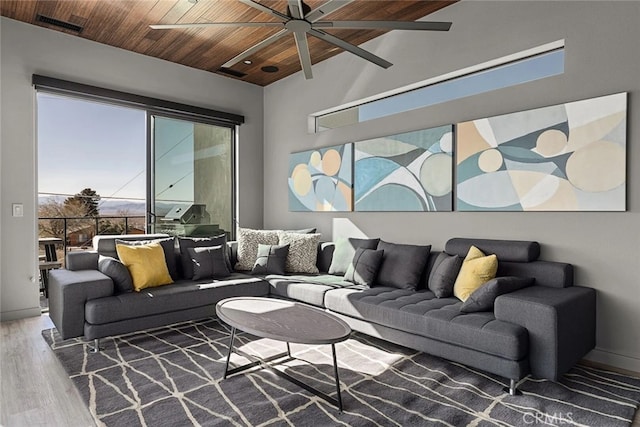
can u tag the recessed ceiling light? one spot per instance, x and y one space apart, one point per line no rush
248 61
270 69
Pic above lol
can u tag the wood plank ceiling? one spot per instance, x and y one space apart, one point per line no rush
125 24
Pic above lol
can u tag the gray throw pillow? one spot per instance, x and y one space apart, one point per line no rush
200 242
272 259
443 274
118 272
208 262
364 267
168 247
482 299
345 249
402 265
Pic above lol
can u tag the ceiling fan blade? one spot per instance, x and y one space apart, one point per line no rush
325 9
255 48
351 48
265 9
303 53
386 25
217 24
295 7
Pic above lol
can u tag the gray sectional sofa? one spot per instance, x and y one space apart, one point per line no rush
542 329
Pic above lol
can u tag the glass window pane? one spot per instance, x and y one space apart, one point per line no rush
524 70
193 178
91 164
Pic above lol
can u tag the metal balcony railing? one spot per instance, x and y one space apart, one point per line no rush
79 231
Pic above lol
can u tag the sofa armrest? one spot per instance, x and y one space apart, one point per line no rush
561 325
68 293
81 260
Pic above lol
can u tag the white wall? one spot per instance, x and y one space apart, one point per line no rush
602 57
27 50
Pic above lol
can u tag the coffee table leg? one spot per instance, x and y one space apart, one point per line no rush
226 367
335 370
257 361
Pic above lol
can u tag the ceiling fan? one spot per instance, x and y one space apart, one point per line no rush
301 21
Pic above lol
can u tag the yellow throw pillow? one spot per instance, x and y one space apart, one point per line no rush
477 269
146 264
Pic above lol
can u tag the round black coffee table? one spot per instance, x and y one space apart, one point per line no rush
286 321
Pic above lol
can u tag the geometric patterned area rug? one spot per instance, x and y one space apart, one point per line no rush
172 376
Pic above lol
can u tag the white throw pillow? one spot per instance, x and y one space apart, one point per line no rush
248 242
303 251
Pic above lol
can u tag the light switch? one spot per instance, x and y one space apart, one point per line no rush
18 209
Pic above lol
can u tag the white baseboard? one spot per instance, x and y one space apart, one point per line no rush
615 360
6 316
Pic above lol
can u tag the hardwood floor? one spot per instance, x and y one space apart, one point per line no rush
34 387
35 390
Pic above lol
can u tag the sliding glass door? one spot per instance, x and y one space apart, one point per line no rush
191 187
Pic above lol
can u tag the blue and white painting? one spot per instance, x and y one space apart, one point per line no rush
567 157
321 180
411 171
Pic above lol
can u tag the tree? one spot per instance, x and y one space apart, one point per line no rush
119 225
87 200
83 204
55 209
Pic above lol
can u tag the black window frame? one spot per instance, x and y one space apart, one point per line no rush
152 106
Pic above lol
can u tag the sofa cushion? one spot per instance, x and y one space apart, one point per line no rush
209 262
477 268
505 250
443 274
168 247
248 241
181 295
546 273
303 251
185 243
345 249
308 289
272 259
402 265
146 263
105 244
364 267
118 272
420 313
482 299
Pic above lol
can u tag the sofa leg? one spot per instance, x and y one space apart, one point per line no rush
96 346
512 389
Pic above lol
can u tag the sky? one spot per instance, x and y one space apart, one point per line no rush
88 144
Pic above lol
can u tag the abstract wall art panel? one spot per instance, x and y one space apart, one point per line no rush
322 179
411 171
569 157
